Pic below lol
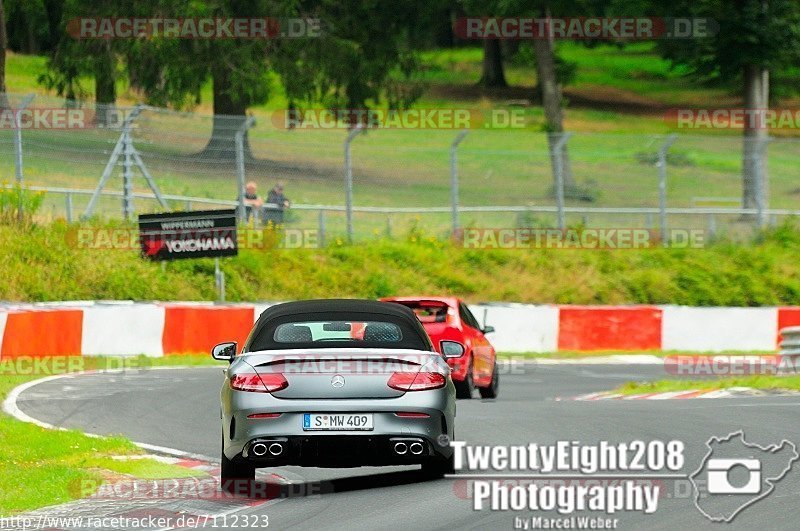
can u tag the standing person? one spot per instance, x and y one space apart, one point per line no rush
251 200
276 197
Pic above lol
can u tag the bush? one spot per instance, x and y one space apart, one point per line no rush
18 206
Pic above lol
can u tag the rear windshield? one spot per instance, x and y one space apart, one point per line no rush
338 329
428 311
337 332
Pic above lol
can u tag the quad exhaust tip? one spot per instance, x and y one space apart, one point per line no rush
416 448
401 448
259 449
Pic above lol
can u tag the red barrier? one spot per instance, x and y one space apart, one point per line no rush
40 333
191 329
609 328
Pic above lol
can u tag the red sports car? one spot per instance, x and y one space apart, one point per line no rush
458 336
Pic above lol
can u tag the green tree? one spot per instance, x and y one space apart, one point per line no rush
755 39
73 59
351 64
551 71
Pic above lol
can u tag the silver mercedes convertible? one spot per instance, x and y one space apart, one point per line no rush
335 383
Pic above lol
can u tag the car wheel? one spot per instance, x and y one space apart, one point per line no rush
494 387
465 387
437 468
235 476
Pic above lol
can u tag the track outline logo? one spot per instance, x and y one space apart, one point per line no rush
721 466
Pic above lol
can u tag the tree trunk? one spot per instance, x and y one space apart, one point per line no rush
551 103
105 86
3 99
754 164
493 75
229 116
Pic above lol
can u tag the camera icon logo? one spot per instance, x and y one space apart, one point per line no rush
735 474
719 476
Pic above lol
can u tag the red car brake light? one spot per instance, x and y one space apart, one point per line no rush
265 383
423 381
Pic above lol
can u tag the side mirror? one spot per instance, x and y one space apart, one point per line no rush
451 349
488 329
224 351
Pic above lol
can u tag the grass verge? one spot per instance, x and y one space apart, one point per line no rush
790 382
43 467
44 263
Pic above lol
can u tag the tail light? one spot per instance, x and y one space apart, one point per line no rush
422 381
264 415
264 383
412 415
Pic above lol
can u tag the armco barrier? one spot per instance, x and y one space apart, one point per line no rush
609 328
123 330
198 328
155 329
42 332
520 327
790 341
717 329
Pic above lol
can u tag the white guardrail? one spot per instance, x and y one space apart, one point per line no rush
790 342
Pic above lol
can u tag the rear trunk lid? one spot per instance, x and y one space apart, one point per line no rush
333 373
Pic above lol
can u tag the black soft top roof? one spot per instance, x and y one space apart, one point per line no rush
335 305
261 336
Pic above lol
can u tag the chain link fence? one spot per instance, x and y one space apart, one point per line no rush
114 162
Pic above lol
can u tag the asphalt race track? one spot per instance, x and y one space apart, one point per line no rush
179 409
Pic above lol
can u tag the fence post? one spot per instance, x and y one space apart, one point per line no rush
18 170
240 171
127 174
348 179
124 146
69 207
321 235
712 226
558 154
662 186
454 178
219 281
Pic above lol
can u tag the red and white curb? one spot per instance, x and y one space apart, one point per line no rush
197 499
731 392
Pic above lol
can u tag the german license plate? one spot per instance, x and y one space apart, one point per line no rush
337 421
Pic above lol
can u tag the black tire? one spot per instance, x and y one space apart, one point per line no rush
236 476
494 387
437 468
465 388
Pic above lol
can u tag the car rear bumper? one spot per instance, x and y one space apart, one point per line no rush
239 431
333 451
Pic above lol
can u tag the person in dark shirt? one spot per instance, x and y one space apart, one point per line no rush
277 203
